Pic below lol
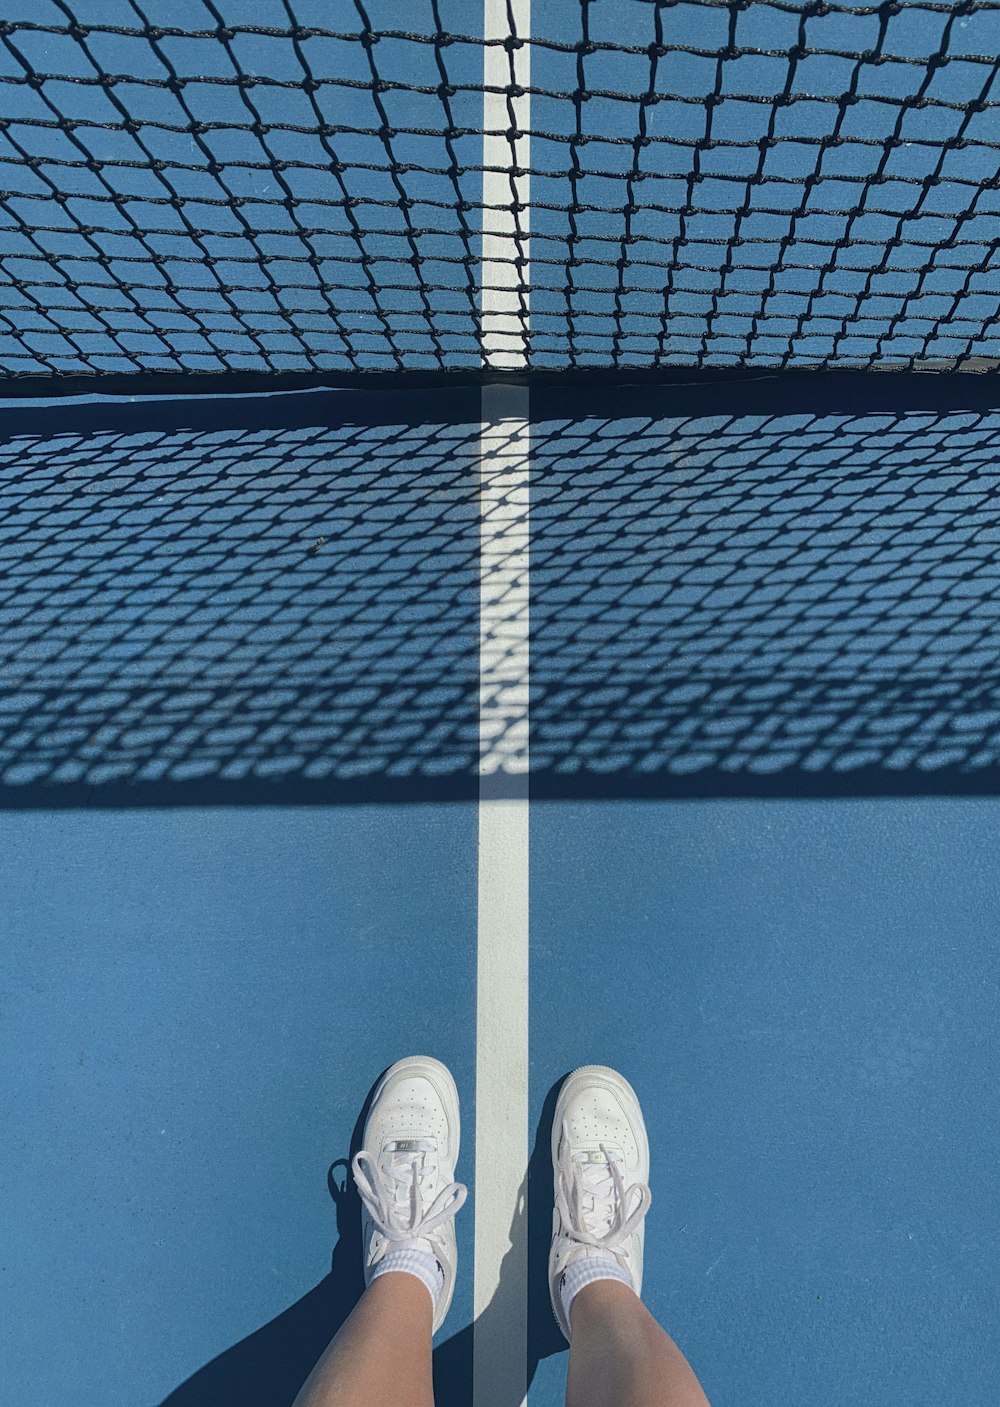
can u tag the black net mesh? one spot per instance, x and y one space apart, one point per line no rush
712 184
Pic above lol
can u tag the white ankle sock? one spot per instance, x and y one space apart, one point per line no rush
600 1266
414 1260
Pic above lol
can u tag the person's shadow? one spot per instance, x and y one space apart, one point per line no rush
267 1368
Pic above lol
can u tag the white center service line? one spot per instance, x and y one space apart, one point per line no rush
500 1334
501 1261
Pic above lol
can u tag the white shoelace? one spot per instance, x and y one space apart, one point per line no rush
394 1192
591 1199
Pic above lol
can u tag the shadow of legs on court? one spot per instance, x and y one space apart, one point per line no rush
267 1368
531 1224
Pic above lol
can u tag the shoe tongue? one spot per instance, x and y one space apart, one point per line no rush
399 1158
595 1178
401 1154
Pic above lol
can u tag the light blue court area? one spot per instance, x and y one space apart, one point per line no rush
238 855
196 1004
804 996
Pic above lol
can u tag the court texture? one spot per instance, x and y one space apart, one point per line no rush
499 560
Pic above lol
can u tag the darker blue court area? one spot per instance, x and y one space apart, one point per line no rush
239 600
797 601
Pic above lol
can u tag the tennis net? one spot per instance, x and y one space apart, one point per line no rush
688 183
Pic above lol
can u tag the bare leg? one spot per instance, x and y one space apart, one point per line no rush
381 1356
620 1357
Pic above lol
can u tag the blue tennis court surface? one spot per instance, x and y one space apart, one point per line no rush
803 995
763 878
253 644
195 1003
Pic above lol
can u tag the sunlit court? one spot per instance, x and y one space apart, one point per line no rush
499 703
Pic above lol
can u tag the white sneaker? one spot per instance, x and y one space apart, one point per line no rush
405 1169
600 1159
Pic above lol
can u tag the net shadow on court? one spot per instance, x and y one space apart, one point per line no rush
276 599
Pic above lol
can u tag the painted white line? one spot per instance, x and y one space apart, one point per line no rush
500 1333
500 1336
